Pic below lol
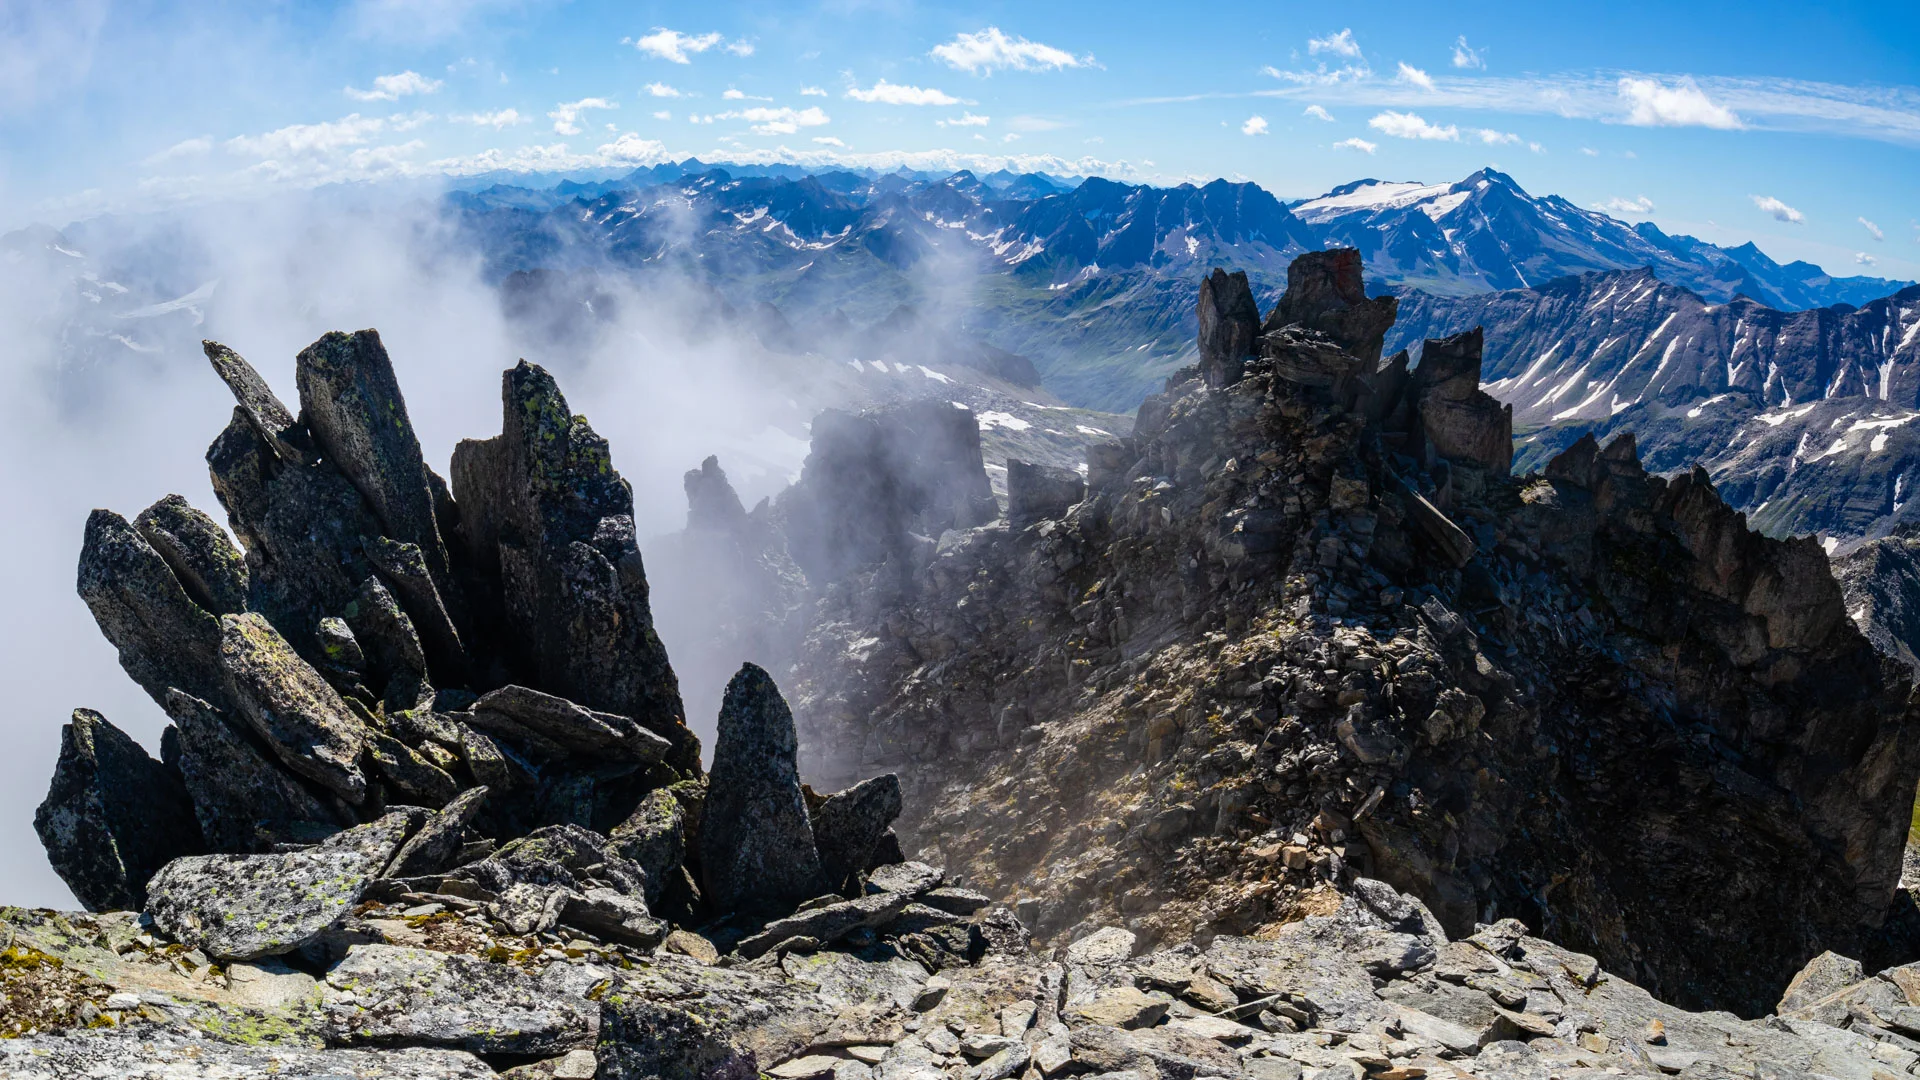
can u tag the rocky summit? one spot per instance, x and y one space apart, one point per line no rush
1294 739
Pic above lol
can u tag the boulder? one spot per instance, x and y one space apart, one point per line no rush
395 661
141 1052
847 827
287 703
756 842
828 923
202 558
113 816
1039 492
243 907
387 995
654 838
645 1040
439 840
1229 327
542 721
243 800
164 639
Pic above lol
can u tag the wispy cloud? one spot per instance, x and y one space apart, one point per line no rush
1653 104
674 46
812 91
1780 211
186 148
1872 230
1340 44
731 94
828 140
395 87
504 118
1466 56
1588 151
965 120
740 48
1410 126
1864 259
660 89
1495 138
321 138
1361 145
1254 125
1321 75
780 121
566 116
886 93
991 50
1413 76
663 114
1639 207
1318 113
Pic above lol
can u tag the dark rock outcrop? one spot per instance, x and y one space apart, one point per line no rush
164 638
1881 582
1462 422
113 816
203 560
848 827
756 842
1038 492
1325 292
1229 326
303 720
242 799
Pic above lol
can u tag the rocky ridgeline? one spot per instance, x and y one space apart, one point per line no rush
1303 625
1268 726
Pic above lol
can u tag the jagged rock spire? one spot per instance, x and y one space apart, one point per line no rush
756 842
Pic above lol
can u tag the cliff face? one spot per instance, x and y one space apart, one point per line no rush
1304 625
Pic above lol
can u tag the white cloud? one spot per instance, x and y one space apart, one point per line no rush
812 91
740 48
781 121
1652 104
663 114
991 50
1321 75
309 139
675 46
1536 148
660 89
966 119
184 148
1466 56
395 87
1864 259
1496 138
733 95
1780 211
1340 44
1410 126
504 118
1589 151
886 93
1626 207
1255 125
1361 145
1872 230
408 121
828 140
1317 113
565 117
1413 76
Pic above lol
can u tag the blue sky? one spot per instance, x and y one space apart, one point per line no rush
1794 127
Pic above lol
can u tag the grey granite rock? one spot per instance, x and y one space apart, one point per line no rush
544 721
291 707
164 639
438 841
242 798
113 816
202 558
243 907
756 843
150 1056
654 838
390 995
847 827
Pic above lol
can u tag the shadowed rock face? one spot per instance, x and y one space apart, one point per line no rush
1305 625
1325 293
755 839
114 816
1229 326
165 639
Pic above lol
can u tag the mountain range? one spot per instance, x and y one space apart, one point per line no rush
1801 417
1093 280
